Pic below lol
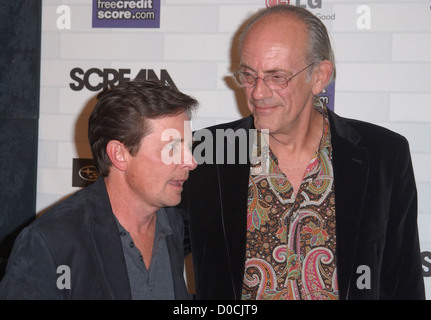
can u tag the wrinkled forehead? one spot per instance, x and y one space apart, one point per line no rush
275 37
285 29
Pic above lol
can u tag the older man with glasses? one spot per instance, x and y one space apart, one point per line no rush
333 215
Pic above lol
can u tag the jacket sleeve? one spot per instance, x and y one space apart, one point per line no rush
31 271
402 268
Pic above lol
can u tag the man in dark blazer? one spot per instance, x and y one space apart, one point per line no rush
376 253
119 238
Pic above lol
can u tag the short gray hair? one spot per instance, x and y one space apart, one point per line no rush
319 44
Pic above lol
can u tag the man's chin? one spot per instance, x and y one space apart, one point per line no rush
172 202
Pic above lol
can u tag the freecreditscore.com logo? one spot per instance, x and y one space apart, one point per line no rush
126 14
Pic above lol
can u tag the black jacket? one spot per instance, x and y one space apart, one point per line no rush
80 233
376 215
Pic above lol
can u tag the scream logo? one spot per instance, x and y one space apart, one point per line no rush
102 79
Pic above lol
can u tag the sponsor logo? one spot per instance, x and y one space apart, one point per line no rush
327 96
311 4
426 263
83 173
126 14
308 4
88 173
95 79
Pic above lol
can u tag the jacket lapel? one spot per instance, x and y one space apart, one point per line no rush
175 247
351 164
107 245
233 181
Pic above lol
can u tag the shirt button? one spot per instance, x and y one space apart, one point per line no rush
132 244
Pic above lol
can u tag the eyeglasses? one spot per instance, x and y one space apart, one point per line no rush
274 82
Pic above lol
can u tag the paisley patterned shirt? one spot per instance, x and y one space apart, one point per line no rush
290 250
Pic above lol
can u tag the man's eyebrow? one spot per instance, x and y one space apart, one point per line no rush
267 71
242 65
171 139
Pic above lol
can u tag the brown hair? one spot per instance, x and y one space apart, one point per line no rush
121 114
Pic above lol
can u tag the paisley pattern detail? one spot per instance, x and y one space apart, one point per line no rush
291 238
257 209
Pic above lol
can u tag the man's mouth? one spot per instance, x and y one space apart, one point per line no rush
177 183
264 109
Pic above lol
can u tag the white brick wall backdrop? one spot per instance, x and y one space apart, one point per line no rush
382 49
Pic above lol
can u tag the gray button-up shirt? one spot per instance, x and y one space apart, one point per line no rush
155 282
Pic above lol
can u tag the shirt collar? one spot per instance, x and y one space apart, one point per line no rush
162 223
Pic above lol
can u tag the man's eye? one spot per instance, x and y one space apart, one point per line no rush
173 147
277 78
248 76
169 147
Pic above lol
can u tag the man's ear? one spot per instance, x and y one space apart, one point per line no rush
322 74
118 154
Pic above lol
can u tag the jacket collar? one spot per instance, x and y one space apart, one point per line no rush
107 243
351 164
233 181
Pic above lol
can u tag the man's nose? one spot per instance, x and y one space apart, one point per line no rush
261 90
189 162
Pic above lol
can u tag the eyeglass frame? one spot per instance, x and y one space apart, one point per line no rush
238 72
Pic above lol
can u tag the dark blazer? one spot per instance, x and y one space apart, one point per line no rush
80 233
376 215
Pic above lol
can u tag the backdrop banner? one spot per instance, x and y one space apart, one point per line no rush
382 51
